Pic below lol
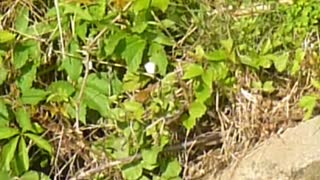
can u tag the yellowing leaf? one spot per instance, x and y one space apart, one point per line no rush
6 36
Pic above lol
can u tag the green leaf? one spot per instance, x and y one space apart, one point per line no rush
33 96
4 114
7 153
164 40
23 119
33 175
96 100
172 170
7 132
161 4
280 61
266 47
158 56
308 103
99 83
23 156
150 156
192 70
22 19
217 55
197 109
111 42
132 171
73 65
134 52
3 74
140 5
20 55
268 86
81 13
98 9
60 91
5 176
25 81
40 142
135 108
227 44
6 36
203 92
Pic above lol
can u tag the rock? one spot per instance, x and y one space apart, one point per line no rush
293 155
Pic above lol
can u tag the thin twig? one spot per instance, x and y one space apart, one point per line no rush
56 4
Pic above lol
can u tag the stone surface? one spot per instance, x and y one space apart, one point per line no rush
294 155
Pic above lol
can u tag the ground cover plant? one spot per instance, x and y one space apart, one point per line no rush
150 89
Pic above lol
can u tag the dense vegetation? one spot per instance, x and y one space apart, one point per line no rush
146 89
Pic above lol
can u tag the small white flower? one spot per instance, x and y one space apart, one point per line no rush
150 67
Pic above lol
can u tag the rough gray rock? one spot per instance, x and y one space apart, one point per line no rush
294 155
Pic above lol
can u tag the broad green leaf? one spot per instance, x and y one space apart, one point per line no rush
134 108
280 61
132 171
96 100
30 175
199 53
134 52
217 55
6 36
250 61
81 30
264 62
33 175
140 22
33 96
23 156
164 40
7 153
23 118
4 175
40 142
189 122
192 70
60 91
308 103
172 170
101 84
73 65
132 81
7 132
159 57
218 70
140 5
112 41
22 20
150 156
98 9
78 11
4 114
197 109
20 55
161 4
203 92
25 81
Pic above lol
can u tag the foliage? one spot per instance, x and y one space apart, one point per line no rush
83 62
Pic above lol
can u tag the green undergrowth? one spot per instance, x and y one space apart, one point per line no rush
86 69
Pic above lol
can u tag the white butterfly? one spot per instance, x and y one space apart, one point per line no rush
150 67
